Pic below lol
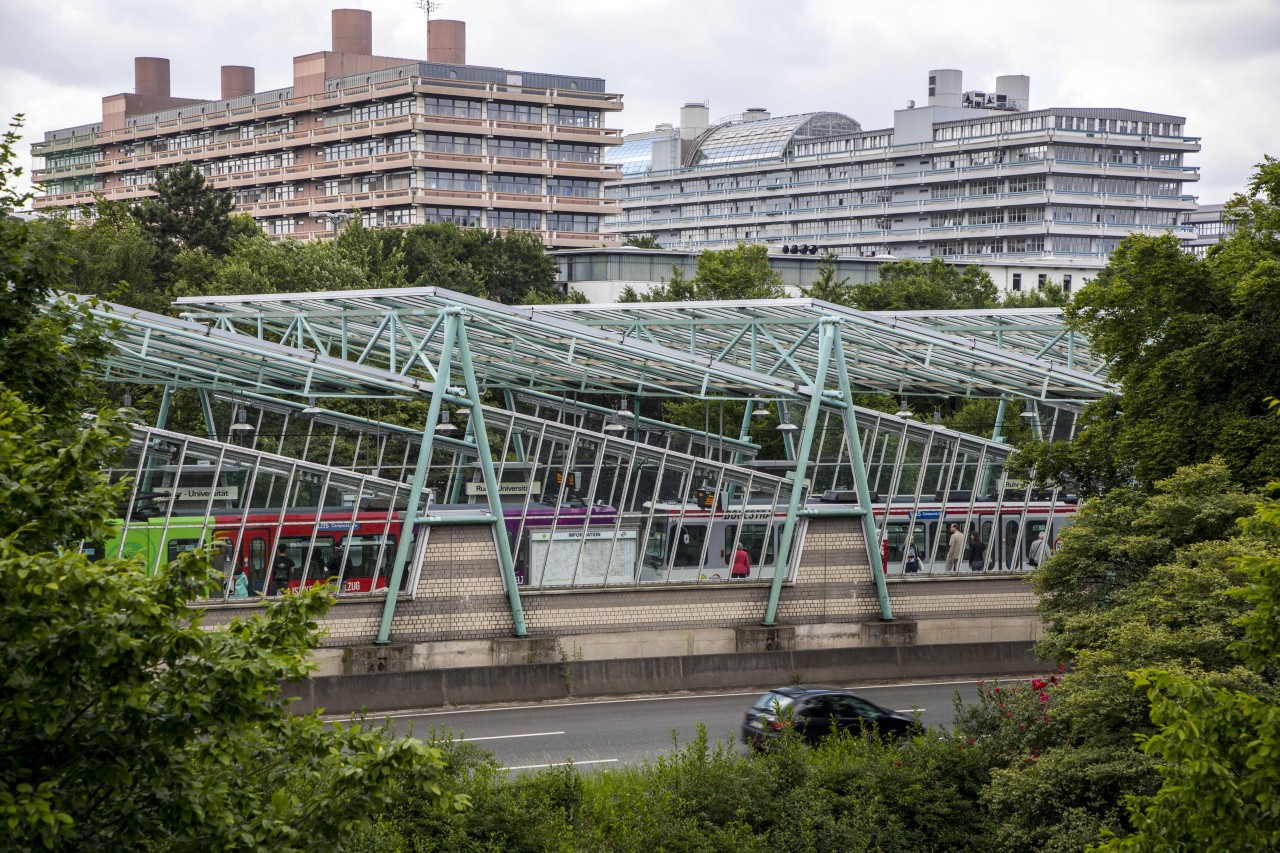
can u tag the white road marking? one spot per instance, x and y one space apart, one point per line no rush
563 763
490 709
910 710
505 737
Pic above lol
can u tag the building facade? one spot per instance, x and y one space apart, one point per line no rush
975 177
401 141
1211 228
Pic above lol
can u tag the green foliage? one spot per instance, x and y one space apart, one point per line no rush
1119 539
1220 747
643 241
827 287
742 272
1050 296
855 794
911 285
185 213
1195 348
123 722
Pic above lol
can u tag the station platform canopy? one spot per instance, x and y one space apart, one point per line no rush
511 347
1041 333
902 355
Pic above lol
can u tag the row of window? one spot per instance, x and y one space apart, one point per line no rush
519 220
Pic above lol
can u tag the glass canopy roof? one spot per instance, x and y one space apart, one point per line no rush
767 139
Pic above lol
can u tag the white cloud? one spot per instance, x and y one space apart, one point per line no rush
1215 63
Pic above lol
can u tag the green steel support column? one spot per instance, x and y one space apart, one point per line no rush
828 332
162 417
995 433
411 511
517 441
455 493
788 443
505 559
860 478
205 406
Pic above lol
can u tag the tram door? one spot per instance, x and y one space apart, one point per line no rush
255 557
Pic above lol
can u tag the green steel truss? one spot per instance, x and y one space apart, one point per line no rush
419 342
885 353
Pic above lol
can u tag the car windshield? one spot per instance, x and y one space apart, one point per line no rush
772 702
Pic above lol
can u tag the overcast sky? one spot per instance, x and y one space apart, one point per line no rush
1217 62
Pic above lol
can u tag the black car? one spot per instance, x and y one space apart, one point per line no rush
813 712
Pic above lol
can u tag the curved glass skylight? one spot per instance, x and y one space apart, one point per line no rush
767 139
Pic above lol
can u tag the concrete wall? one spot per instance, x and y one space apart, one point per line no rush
459 607
583 678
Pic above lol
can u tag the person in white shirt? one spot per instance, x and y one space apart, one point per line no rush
1038 551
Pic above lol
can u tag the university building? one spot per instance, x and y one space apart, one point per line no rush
403 141
973 176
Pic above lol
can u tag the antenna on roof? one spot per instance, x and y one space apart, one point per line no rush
428 6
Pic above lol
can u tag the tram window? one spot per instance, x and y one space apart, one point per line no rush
751 538
688 545
653 554
224 551
180 546
257 555
896 539
365 552
897 535
306 558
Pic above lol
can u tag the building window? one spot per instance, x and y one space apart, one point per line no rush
1041 280
568 151
581 223
519 220
456 215
451 107
573 187
521 184
571 117
527 113
522 148
444 143
1017 281
1066 284
462 181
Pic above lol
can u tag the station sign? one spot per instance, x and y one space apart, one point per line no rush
202 493
506 488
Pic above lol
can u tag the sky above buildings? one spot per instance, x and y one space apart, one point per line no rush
1217 62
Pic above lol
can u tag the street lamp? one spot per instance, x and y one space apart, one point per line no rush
333 218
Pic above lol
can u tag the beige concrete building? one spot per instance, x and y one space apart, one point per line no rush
403 141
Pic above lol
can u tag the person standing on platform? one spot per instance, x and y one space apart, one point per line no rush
1038 551
955 547
977 551
741 564
281 569
913 559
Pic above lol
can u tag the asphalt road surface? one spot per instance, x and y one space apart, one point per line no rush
600 733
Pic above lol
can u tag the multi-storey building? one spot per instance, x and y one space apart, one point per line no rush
402 141
974 176
1211 228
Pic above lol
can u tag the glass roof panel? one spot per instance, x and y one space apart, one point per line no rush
767 139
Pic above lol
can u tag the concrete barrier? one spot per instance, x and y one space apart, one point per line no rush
398 691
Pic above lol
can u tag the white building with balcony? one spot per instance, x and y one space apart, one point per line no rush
975 177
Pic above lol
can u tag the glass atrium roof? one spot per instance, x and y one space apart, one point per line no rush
635 156
767 139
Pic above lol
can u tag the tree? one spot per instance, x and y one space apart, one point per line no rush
186 213
1220 748
911 285
1050 296
1194 346
1120 538
742 272
643 241
827 287
123 722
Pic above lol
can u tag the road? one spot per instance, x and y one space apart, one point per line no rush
617 731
